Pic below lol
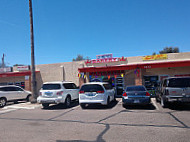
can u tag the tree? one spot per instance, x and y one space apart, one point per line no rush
18 65
80 58
169 50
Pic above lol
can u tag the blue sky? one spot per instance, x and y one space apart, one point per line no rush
65 28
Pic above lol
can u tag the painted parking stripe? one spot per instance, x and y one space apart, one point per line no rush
7 110
153 100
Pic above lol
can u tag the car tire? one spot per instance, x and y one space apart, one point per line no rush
83 106
124 105
163 103
29 98
157 100
3 102
68 101
114 99
45 105
108 101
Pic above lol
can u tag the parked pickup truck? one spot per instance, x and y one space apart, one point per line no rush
58 92
174 89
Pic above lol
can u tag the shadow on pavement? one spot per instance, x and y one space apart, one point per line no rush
61 106
179 106
143 107
98 106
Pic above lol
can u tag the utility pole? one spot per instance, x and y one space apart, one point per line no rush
3 61
33 79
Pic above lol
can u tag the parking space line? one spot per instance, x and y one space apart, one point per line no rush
153 100
7 110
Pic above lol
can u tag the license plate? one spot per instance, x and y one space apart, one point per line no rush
90 94
48 93
136 101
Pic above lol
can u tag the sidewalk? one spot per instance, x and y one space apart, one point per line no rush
26 105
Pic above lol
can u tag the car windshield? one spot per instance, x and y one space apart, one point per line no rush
51 87
91 88
179 82
135 88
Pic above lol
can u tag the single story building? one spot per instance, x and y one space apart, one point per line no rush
119 72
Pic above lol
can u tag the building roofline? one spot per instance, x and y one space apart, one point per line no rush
10 74
149 65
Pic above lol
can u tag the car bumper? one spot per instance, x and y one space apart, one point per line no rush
178 99
50 100
103 102
128 101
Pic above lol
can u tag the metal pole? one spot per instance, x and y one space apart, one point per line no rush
33 79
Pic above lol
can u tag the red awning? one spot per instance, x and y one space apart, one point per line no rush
10 74
135 66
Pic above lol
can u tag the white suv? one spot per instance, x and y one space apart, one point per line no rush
96 93
13 93
58 92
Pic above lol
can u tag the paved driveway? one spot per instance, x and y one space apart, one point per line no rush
30 123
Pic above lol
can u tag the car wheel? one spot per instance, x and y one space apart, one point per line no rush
164 103
45 105
68 101
108 101
157 100
3 102
29 98
124 105
83 106
114 99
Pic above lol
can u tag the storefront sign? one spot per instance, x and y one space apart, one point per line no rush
104 56
22 68
8 69
105 60
155 57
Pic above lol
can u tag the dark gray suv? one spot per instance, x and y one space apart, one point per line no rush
174 89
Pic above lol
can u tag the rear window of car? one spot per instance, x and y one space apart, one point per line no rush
178 82
136 88
69 86
91 88
51 87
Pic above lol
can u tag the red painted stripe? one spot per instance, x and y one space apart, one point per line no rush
10 74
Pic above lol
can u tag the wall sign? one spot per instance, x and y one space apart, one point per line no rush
22 68
104 56
8 69
107 60
155 57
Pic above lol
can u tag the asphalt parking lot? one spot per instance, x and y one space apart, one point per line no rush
29 122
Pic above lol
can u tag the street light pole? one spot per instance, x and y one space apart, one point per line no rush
33 79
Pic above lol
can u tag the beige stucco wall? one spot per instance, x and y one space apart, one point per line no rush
67 71
167 71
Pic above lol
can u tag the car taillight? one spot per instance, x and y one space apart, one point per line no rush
60 93
80 92
147 94
99 91
125 94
